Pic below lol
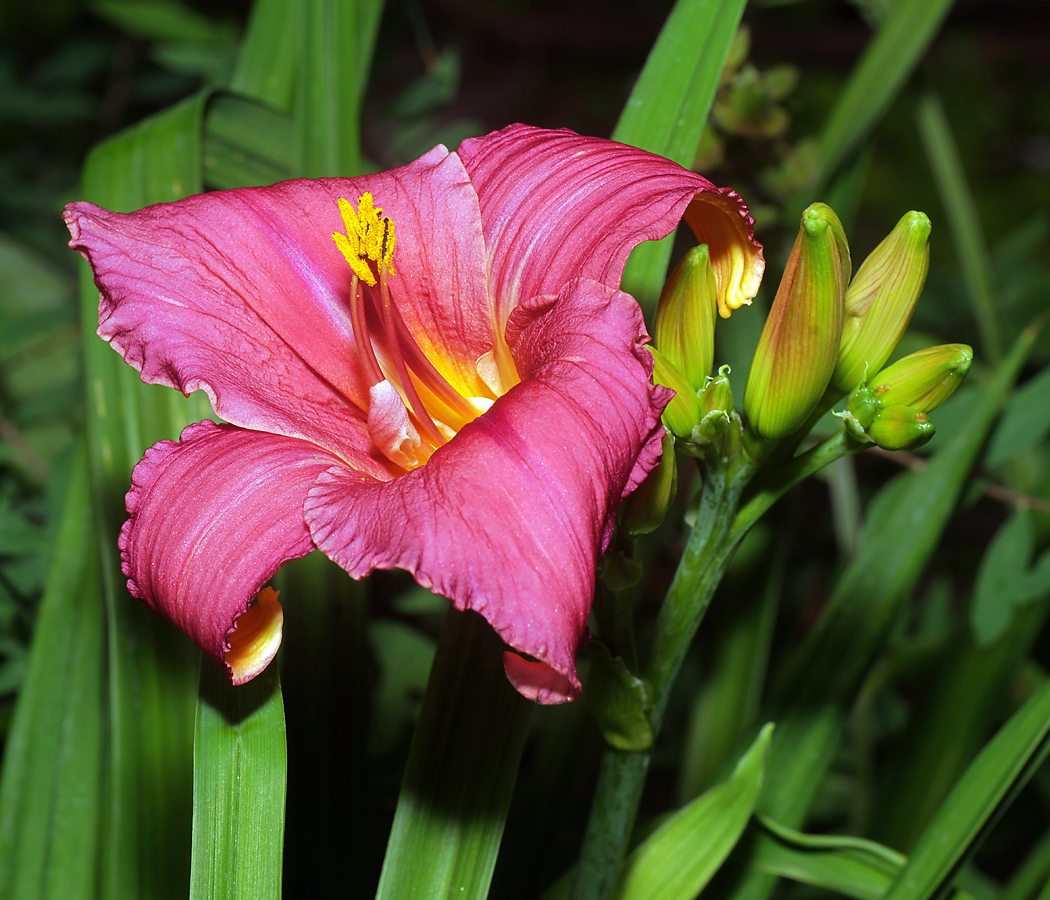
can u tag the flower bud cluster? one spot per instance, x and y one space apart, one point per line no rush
825 333
890 410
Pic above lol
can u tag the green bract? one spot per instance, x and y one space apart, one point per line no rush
644 510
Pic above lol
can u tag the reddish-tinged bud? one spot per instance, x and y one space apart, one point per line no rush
923 380
800 341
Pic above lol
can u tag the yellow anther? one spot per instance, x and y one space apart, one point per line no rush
369 238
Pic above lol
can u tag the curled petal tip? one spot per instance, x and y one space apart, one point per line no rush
719 218
538 682
255 637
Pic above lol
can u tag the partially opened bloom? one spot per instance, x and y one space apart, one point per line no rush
430 368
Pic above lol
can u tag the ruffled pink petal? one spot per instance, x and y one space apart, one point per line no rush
556 205
510 516
245 294
212 517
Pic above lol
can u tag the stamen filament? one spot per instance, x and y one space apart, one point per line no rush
361 337
429 431
427 373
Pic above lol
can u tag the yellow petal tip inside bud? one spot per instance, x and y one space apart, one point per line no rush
255 637
369 238
719 219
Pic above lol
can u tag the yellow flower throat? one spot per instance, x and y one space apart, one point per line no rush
434 409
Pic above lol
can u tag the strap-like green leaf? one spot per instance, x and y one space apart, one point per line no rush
963 220
246 143
239 764
668 107
51 791
682 855
151 682
337 42
886 64
269 53
983 793
461 771
850 866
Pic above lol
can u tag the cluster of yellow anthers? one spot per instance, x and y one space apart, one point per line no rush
369 237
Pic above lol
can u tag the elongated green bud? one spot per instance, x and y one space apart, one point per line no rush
685 318
800 341
881 299
923 380
900 428
644 510
683 412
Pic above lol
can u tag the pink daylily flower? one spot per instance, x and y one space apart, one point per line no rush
430 368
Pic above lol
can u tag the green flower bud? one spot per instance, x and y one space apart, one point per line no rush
860 411
685 318
716 406
923 380
900 428
683 412
800 341
880 300
645 509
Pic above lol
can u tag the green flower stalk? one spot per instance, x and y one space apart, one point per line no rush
923 380
881 299
799 346
685 318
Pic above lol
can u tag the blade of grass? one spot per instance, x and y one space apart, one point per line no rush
239 766
850 866
246 143
677 860
668 107
963 220
727 704
950 725
888 61
51 786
